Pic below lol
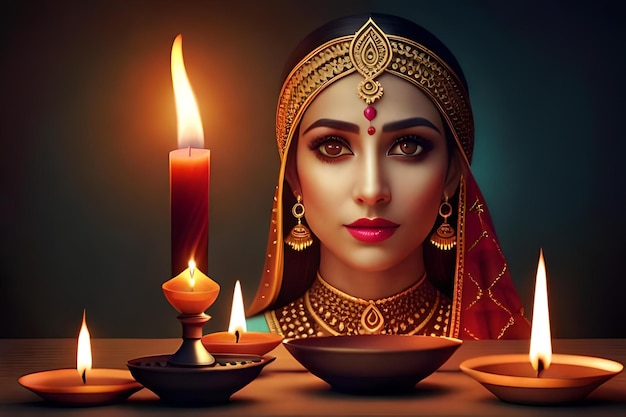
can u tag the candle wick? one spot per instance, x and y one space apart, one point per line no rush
540 367
189 150
84 376
236 336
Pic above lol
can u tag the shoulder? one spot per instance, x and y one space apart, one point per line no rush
257 323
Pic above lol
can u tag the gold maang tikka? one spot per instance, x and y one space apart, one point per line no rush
370 53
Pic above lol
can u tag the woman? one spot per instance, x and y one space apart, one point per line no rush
378 225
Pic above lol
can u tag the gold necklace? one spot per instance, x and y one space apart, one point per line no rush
407 312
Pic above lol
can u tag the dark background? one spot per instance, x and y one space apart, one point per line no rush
87 120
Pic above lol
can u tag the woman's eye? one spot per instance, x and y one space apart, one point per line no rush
331 147
410 146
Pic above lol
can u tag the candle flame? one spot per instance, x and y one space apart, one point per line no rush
83 355
237 315
192 271
540 338
190 132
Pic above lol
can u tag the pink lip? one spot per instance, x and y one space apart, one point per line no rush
372 230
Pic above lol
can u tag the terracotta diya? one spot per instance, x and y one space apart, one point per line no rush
65 386
82 386
569 378
237 339
192 375
539 377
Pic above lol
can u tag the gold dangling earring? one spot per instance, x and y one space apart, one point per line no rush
444 238
300 236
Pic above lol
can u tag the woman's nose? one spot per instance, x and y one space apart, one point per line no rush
371 186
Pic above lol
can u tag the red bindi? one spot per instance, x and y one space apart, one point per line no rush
370 114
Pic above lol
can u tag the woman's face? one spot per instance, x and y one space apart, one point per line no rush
371 200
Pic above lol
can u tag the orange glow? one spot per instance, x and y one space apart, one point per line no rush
189 299
192 270
83 354
237 315
540 338
190 132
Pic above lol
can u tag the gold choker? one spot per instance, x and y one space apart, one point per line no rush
420 309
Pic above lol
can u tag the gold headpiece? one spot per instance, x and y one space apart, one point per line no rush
371 52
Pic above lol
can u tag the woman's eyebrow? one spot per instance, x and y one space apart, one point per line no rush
411 122
335 124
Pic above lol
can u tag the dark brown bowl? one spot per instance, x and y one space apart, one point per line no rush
193 386
372 364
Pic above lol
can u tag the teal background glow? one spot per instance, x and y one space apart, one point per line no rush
87 121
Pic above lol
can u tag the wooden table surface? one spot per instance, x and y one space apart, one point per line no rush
285 388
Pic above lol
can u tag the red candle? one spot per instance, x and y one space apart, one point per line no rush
189 204
189 175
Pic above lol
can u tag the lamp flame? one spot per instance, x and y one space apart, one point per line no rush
192 271
83 354
540 338
237 315
190 132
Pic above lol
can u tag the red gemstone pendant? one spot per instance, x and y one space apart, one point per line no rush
369 113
